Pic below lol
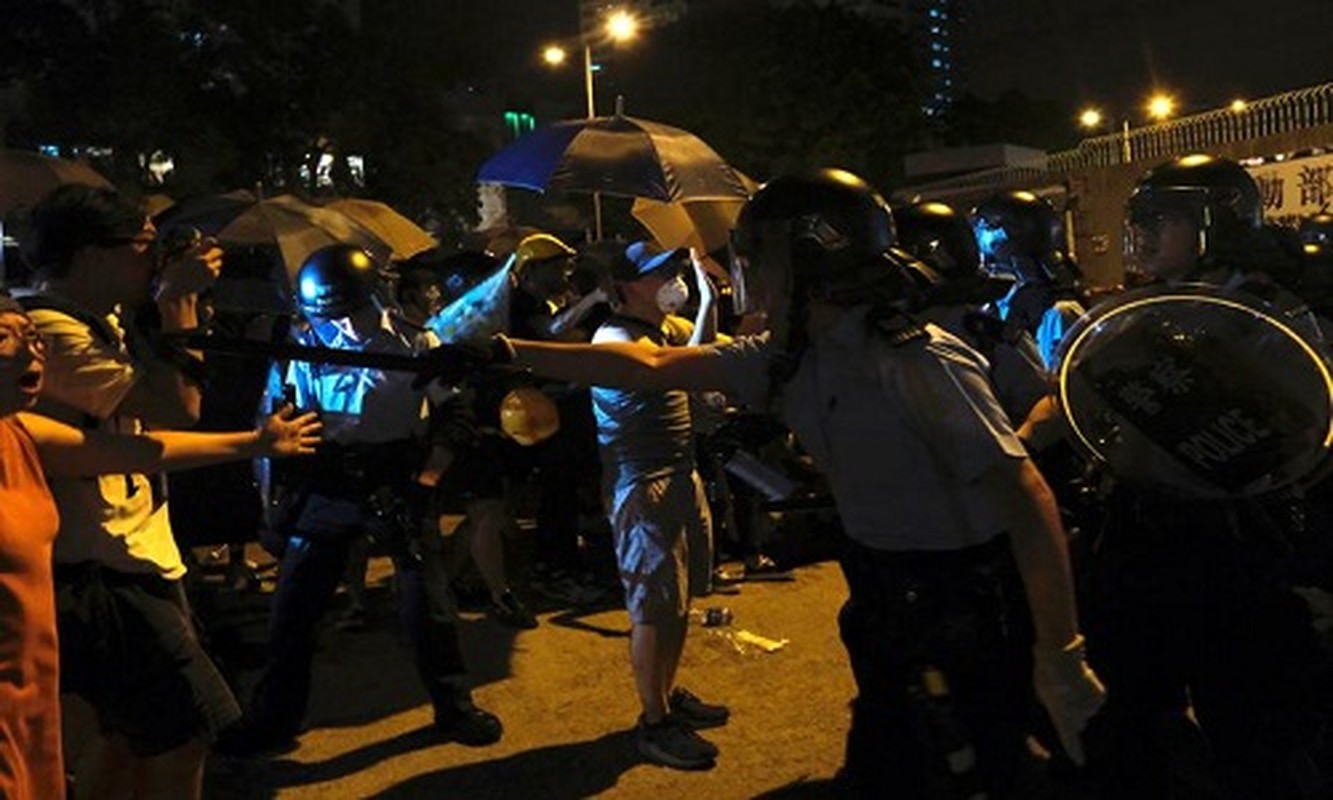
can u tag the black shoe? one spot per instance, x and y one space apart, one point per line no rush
686 707
250 740
466 724
673 744
509 610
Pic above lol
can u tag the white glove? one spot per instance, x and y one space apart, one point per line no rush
1069 690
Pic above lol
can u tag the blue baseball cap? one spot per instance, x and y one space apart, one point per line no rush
644 258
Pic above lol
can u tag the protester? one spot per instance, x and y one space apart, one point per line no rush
31 448
656 502
99 275
385 452
943 512
476 475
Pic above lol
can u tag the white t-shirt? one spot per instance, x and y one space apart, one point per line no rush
119 521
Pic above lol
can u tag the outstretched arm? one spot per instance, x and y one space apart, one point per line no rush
624 364
70 452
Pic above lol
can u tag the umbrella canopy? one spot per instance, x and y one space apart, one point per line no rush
295 228
618 155
702 224
26 177
404 237
298 229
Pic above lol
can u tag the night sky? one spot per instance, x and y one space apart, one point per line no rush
1113 52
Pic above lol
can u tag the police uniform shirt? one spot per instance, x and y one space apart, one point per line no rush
1017 371
118 521
359 405
904 431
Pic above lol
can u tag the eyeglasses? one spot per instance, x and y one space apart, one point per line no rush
11 338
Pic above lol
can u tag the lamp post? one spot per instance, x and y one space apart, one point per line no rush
1159 108
618 26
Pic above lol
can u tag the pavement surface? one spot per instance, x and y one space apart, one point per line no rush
565 693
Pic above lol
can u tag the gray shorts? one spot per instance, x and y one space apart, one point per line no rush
664 545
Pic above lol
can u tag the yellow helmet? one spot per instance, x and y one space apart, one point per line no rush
540 247
527 416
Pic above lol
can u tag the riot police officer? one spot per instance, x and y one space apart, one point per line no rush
1020 235
373 479
954 554
942 238
1216 679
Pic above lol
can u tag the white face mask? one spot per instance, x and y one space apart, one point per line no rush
673 295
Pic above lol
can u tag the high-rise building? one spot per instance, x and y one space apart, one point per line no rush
935 26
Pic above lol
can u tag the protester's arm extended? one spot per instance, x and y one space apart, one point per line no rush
71 452
626 365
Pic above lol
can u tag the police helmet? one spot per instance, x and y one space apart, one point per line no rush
940 236
1216 194
335 281
824 235
1016 230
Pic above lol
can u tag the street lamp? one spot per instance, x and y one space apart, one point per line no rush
1159 108
618 26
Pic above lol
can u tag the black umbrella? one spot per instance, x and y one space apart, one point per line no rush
617 155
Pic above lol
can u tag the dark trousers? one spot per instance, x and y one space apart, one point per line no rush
940 646
1190 608
307 580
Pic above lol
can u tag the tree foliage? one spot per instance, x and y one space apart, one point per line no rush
775 89
245 93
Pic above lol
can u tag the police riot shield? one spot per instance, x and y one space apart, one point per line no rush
1198 391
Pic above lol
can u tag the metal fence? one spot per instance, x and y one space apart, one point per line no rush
1257 119
1271 116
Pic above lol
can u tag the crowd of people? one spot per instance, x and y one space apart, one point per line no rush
1021 610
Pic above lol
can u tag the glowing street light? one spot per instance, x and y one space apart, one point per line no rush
555 55
618 27
621 26
1090 118
1161 107
1238 105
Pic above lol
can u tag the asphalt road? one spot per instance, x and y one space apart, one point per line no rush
565 694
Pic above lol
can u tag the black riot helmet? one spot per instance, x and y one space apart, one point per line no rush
1019 234
1216 195
940 236
825 235
335 281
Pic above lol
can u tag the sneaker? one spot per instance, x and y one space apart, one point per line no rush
690 710
672 744
509 610
466 724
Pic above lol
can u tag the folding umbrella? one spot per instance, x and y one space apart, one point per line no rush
404 236
292 226
618 155
27 176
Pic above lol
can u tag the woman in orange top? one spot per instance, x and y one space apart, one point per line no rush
30 759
